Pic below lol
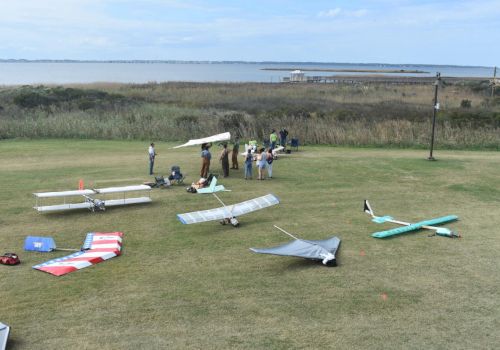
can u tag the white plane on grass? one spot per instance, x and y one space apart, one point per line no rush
93 199
227 213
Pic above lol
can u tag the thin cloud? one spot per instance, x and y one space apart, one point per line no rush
330 13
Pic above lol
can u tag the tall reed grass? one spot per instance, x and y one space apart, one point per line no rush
372 115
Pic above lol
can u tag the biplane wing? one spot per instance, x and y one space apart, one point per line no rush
96 248
212 188
215 138
408 227
229 211
323 250
93 199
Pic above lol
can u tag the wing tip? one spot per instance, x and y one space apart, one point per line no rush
181 219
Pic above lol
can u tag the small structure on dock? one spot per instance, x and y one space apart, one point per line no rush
297 76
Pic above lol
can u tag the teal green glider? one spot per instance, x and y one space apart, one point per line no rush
408 227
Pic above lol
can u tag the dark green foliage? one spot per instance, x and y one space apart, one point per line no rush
67 98
466 103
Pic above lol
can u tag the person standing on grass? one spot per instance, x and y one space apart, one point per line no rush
270 159
272 139
224 158
283 135
234 154
248 164
261 163
205 160
152 154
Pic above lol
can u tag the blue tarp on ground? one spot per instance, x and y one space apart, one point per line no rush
39 244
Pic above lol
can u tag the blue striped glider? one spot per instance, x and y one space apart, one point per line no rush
408 227
227 213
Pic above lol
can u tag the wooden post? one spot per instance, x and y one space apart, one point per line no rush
436 107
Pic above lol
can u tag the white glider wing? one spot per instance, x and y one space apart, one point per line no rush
229 211
215 138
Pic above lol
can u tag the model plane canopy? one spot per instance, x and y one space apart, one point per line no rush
215 138
229 211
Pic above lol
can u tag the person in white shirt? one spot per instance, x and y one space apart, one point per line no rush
152 155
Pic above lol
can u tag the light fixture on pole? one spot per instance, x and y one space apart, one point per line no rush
436 107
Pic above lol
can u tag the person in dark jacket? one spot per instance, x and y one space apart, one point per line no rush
224 158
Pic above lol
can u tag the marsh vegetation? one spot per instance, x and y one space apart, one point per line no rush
340 114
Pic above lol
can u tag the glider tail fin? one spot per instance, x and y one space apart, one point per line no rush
367 209
213 184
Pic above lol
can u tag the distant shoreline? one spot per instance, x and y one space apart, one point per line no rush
390 71
13 60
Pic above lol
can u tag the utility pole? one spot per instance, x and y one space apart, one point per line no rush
436 107
494 82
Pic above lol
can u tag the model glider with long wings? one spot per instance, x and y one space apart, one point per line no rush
215 138
93 199
96 248
408 227
228 213
320 250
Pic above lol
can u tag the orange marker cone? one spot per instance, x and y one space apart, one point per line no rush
80 184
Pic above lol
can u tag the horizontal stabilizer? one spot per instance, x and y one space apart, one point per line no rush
415 226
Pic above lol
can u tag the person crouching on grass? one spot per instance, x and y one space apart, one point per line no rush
248 164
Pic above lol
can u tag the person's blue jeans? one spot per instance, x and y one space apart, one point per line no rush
151 165
248 170
273 145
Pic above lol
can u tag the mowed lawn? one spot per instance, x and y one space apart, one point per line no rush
199 286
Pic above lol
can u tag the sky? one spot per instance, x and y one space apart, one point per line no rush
358 31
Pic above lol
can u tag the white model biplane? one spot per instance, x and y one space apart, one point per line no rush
227 213
215 138
319 250
95 200
408 227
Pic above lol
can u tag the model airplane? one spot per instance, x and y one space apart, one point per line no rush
215 138
212 188
408 227
322 250
90 200
96 248
227 213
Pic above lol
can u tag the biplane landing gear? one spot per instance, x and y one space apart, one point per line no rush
233 221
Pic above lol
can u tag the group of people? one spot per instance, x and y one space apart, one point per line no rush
264 161
264 157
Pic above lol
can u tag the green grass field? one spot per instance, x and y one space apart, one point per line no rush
198 286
